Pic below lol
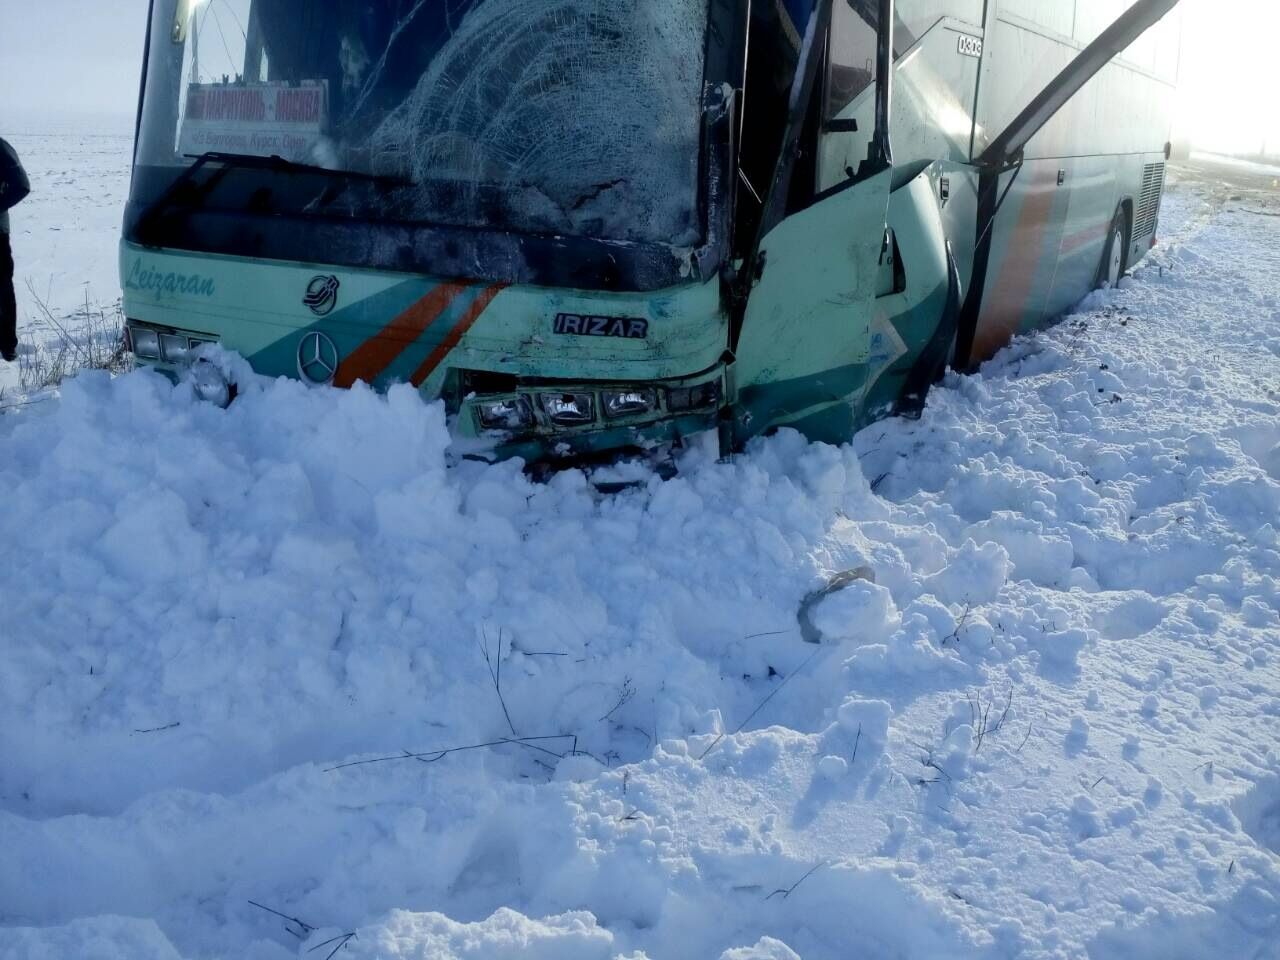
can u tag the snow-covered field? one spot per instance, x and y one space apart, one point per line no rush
1247 166
247 654
65 233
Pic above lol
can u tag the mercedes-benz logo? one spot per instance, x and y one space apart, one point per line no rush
322 295
317 359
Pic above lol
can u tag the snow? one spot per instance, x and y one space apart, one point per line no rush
244 649
1251 166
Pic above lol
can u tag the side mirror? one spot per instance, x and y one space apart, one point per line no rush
182 14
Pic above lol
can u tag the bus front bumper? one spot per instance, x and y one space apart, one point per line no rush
500 417
553 420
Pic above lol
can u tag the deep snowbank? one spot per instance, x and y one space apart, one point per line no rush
1049 729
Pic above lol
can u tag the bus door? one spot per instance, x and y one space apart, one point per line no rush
802 358
805 336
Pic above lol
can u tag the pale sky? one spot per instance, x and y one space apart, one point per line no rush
65 59
1230 74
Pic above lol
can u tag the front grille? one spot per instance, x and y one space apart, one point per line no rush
515 405
1144 223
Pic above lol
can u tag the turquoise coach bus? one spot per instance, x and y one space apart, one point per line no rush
590 227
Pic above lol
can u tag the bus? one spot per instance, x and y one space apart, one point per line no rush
591 228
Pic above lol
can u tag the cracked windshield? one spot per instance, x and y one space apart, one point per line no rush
540 116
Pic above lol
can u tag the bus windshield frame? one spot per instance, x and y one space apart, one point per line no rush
289 194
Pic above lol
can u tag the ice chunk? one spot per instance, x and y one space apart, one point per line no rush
421 936
861 612
867 721
767 949
832 767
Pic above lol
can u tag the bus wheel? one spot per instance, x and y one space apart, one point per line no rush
1113 254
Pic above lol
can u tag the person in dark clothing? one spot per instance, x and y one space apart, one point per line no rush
14 186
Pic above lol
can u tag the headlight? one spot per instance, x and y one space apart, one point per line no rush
210 384
506 414
629 403
146 343
569 409
174 349
694 398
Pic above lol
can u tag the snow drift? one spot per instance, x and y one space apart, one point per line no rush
281 680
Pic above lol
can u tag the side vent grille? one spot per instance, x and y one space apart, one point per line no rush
1144 223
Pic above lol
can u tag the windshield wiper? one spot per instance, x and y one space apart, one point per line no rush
183 180
195 196
277 162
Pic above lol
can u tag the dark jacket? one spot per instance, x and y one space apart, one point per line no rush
14 185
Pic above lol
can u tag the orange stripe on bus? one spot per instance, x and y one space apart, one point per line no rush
1010 299
1084 238
456 334
372 357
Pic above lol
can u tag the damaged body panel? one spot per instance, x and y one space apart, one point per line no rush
589 227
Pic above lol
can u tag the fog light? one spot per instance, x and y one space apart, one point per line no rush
174 349
506 414
694 398
629 403
569 409
210 384
146 343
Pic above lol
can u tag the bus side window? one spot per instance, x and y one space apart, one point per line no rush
852 64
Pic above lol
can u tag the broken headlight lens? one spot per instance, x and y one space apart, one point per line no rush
629 403
569 409
694 398
505 414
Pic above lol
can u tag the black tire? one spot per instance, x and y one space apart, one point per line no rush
1115 253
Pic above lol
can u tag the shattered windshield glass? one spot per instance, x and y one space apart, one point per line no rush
566 117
